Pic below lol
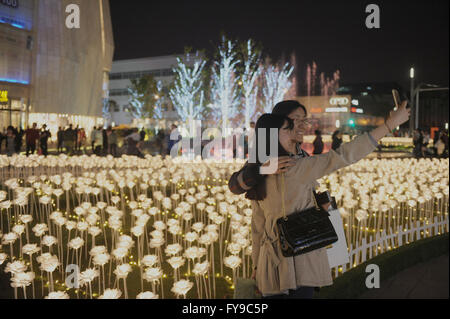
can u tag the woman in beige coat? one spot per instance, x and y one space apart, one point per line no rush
296 277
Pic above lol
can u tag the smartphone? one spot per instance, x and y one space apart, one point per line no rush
397 99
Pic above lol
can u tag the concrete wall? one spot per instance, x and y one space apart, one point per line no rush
68 73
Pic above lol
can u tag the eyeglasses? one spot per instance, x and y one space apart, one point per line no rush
303 122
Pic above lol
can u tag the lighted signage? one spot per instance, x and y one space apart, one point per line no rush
336 110
357 110
316 110
10 3
3 96
339 101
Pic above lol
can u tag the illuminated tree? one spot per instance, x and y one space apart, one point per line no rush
160 99
187 95
249 82
143 97
224 91
276 85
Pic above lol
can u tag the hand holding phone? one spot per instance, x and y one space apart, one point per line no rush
397 99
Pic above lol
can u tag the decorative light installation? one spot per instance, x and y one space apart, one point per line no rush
224 85
249 82
276 85
187 95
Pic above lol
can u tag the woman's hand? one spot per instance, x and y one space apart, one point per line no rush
395 119
253 274
284 163
398 117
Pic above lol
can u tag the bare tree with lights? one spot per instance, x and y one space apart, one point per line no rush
187 95
160 99
276 84
224 91
143 97
250 82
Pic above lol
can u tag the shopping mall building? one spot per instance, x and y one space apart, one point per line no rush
355 107
50 73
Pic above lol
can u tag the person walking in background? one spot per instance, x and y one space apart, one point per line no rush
112 141
134 144
105 142
60 139
19 139
336 140
418 143
2 137
81 137
92 138
160 139
176 135
43 140
77 144
318 143
142 135
32 135
70 138
10 141
97 141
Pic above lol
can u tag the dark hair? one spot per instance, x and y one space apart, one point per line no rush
335 134
287 107
266 121
317 132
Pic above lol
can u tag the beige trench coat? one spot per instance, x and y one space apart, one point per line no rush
276 273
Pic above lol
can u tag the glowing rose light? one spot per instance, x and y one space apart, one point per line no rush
76 243
58 295
191 237
201 269
176 262
149 260
22 280
101 259
152 274
40 229
9 238
3 258
120 253
156 242
111 294
122 271
182 287
232 261
173 249
147 295
15 267
30 249
97 250
361 215
26 219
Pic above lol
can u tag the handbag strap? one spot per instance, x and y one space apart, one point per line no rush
283 204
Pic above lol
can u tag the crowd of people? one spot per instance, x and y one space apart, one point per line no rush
73 141
36 140
422 141
69 140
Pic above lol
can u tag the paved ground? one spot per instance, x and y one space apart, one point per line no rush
427 280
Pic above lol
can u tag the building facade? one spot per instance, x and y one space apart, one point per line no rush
50 73
123 71
355 107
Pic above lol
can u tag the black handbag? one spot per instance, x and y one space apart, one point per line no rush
304 231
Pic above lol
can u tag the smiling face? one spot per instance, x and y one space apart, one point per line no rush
287 138
298 116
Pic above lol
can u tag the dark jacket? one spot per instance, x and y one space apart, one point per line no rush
318 145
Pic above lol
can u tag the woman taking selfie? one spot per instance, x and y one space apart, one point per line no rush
296 277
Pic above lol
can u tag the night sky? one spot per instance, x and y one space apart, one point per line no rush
332 33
